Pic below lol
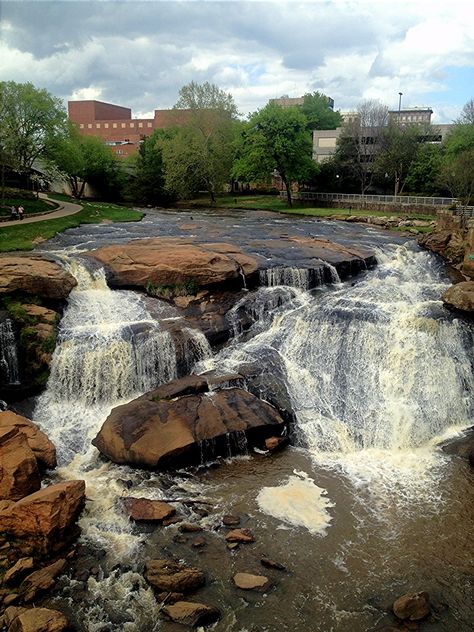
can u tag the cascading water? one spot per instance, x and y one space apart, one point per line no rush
9 374
363 367
301 278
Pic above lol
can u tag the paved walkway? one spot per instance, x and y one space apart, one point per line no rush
65 209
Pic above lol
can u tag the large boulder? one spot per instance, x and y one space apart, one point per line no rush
33 274
461 296
155 432
167 262
34 620
42 447
412 606
43 522
19 475
41 580
170 576
191 613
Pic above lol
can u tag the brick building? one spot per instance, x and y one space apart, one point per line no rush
116 127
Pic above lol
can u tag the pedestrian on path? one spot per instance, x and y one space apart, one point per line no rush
21 212
13 213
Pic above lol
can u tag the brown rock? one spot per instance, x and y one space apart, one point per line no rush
41 313
42 447
199 542
170 597
436 242
44 521
271 564
32 274
143 509
240 535
172 261
412 606
189 527
35 620
193 614
247 581
461 296
19 475
151 433
170 576
19 570
40 581
273 444
10 599
230 520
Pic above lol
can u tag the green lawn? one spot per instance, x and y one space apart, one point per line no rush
31 206
27 236
275 203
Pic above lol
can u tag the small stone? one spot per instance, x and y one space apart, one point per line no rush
273 444
193 614
170 576
21 568
11 599
232 545
189 527
172 520
271 564
247 581
170 597
412 606
230 520
240 535
199 542
145 510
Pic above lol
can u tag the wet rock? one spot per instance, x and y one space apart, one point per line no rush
41 580
274 444
173 520
170 576
11 599
462 446
145 510
193 614
199 542
461 296
35 620
42 447
19 570
33 274
19 474
271 564
189 527
247 581
170 597
229 520
152 432
44 521
412 606
173 262
244 536
232 546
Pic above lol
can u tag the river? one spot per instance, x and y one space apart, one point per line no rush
363 507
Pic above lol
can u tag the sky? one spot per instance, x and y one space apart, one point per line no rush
140 53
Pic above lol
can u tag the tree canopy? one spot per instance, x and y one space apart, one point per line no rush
275 139
318 113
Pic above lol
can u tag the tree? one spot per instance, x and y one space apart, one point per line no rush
318 113
424 172
458 175
467 114
85 160
148 181
275 138
30 119
359 143
199 153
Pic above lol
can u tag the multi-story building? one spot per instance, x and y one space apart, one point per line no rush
417 115
290 102
116 127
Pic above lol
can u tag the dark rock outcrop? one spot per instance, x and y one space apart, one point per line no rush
412 606
461 296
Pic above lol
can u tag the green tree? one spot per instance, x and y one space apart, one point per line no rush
85 160
199 153
318 113
275 139
424 172
467 114
148 179
457 171
30 119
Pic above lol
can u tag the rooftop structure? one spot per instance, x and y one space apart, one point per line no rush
290 102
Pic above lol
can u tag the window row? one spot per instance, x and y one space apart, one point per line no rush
114 125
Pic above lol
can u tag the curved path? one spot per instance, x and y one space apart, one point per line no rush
65 209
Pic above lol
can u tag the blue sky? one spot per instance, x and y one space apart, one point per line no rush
139 54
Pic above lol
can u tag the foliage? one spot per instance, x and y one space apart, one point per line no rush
318 113
30 119
147 185
25 236
31 206
198 154
189 288
275 139
85 159
458 175
467 114
359 143
424 172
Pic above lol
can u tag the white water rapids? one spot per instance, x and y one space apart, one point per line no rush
376 373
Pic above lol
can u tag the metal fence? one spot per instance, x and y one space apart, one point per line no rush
403 200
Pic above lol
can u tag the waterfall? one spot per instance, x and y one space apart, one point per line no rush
301 278
8 354
377 366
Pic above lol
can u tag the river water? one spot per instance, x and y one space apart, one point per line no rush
362 508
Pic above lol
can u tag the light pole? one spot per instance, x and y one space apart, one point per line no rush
399 104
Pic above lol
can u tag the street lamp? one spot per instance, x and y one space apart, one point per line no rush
399 104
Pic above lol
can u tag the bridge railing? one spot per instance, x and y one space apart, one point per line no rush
403 200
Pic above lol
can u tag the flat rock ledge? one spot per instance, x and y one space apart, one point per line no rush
34 620
460 296
182 422
36 275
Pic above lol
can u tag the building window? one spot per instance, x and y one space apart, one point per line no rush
81 126
89 125
132 124
123 125
114 125
327 142
119 151
106 125
97 125
149 124
140 124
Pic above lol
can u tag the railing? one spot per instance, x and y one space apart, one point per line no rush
403 200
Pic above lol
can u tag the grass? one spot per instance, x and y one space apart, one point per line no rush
31 206
27 236
275 203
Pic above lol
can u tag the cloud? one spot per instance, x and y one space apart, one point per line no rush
139 54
